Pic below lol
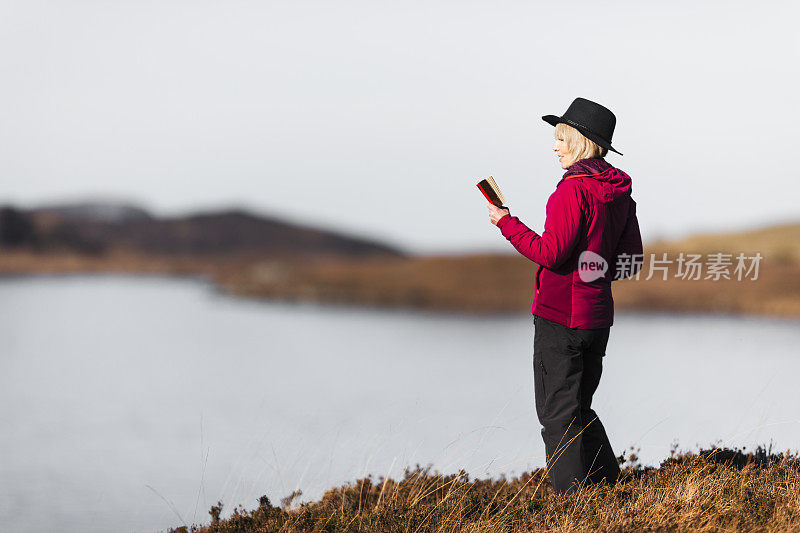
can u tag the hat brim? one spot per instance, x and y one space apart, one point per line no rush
553 120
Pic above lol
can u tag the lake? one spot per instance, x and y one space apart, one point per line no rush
134 403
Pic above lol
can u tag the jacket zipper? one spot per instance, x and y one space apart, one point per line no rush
538 271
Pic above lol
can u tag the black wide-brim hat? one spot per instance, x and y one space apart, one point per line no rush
594 121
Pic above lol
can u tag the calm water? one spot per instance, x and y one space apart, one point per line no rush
135 403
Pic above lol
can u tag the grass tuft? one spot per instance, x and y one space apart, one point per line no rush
710 490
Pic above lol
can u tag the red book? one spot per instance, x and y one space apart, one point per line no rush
492 192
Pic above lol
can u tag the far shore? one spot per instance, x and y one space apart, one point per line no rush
473 284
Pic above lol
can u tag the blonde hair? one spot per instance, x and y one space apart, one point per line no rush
578 146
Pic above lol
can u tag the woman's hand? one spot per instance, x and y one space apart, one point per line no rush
495 213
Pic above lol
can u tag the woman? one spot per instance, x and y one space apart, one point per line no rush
591 237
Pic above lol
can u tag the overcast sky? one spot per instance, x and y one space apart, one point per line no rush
378 118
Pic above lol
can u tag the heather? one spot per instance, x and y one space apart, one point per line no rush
717 489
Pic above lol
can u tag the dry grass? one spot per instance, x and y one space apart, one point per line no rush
781 243
713 490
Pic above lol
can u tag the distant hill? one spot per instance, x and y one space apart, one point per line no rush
95 211
96 228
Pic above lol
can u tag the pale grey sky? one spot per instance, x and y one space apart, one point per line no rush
379 117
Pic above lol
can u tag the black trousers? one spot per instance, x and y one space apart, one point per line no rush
567 364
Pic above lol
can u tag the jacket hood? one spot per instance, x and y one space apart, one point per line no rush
604 181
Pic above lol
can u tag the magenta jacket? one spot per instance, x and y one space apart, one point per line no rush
590 210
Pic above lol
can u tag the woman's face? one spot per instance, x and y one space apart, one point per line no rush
560 148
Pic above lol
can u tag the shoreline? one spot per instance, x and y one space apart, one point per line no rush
465 285
214 286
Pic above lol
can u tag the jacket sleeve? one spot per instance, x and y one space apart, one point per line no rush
630 243
562 227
